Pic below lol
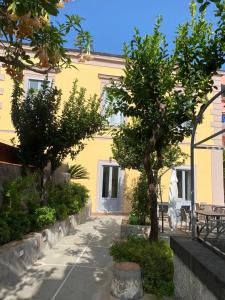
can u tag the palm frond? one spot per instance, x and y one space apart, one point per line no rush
77 171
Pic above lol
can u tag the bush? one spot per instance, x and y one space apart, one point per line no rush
155 259
44 216
5 235
22 194
19 223
61 211
21 211
20 199
78 197
133 219
72 196
140 202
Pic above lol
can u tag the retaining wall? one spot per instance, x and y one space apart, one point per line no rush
198 271
17 256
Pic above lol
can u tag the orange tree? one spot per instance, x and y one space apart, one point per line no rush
28 22
162 90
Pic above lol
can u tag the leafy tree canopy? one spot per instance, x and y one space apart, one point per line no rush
162 91
28 22
129 154
46 135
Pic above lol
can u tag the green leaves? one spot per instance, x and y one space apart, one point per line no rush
44 134
160 93
29 21
77 171
22 7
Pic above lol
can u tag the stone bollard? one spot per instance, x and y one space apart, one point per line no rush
126 282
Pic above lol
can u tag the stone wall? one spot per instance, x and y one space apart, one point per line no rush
17 256
198 271
187 285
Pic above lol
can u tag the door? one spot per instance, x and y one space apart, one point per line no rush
184 187
110 188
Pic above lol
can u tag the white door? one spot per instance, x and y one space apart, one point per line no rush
110 187
184 187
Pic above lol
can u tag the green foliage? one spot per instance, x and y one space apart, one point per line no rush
133 219
140 202
160 94
155 259
21 211
44 216
46 135
22 194
21 198
77 171
29 21
73 196
62 211
19 222
4 231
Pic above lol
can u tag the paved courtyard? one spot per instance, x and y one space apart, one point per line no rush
76 268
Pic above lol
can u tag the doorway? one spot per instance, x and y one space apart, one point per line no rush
110 188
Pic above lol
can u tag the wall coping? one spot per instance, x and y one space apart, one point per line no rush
207 266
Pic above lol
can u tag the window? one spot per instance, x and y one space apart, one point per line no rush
223 117
184 184
35 84
114 119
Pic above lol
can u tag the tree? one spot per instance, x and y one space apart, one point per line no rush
161 91
26 22
46 135
77 171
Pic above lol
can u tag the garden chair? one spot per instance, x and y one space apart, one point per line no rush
185 218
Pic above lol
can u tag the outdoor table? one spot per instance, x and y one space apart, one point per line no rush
210 214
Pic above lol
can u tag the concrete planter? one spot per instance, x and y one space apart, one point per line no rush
126 282
17 256
128 230
154 297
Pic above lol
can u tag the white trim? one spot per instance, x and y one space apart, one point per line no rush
99 183
182 201
38 78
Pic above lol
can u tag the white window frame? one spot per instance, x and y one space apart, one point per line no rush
183 169
118 115
105 81
35 78
38 80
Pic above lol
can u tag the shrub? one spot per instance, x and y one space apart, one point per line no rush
20 199
19 223
139 202
5 235
73 196
61 211
21 211
22 193
155 259
78 197
44 216
133 219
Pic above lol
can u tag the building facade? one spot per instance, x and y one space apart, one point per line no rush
110 187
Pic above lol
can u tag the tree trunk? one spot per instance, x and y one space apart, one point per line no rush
152 186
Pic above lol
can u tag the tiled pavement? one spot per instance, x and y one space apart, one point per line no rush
76 268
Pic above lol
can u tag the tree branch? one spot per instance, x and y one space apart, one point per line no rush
18 63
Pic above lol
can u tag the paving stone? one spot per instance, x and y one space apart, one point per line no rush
76 268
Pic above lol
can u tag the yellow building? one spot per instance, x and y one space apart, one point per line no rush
110 186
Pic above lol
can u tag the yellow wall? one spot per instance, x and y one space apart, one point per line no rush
99 149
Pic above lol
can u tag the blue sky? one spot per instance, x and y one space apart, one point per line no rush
112 22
